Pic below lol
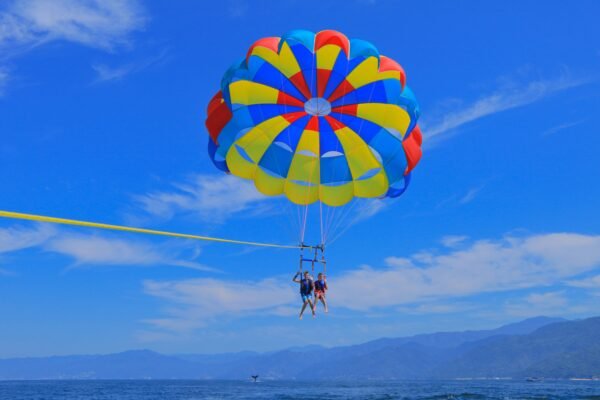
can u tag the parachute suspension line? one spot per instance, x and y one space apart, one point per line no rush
303 226
323 260
336 221
326 228
331 219
339 227
300 236
326 223
97 225
362 210
321 221
292 220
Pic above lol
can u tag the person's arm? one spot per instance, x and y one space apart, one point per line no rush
325 285
295 276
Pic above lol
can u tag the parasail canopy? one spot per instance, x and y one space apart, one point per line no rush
316 117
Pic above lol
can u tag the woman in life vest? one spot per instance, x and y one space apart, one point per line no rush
320 289
306 289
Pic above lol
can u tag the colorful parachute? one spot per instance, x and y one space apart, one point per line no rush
316 117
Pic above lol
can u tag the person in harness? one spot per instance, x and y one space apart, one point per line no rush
320 289
306 289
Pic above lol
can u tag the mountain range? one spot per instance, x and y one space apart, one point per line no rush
541 347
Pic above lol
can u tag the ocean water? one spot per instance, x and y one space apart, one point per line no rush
370 390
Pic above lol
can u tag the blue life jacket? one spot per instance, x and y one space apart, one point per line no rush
306 286
320 285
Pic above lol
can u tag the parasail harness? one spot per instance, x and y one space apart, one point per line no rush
316 255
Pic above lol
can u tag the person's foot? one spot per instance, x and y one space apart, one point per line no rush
314 315
300 317
326 310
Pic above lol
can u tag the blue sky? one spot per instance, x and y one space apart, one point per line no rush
101 118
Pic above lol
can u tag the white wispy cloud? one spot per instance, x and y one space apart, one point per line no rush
370 208
424 282
511 95
453 240
592 282
197 301
461 198
17 237
100 251
103 24
96 23
93 250
208 197
109 73
439 308
553 303
545 303
470 195
4 78
484 266
561 127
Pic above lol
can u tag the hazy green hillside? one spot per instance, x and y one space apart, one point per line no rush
539 347
561 350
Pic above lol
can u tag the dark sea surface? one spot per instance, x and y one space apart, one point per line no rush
189 390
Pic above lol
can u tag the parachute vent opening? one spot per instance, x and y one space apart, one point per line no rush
317 106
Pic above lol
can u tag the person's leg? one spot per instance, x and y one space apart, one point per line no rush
312 307
324 303
303 308
320 297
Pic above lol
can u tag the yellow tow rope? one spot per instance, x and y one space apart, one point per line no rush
62 221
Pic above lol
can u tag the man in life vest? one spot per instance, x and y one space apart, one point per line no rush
320 289
306 288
